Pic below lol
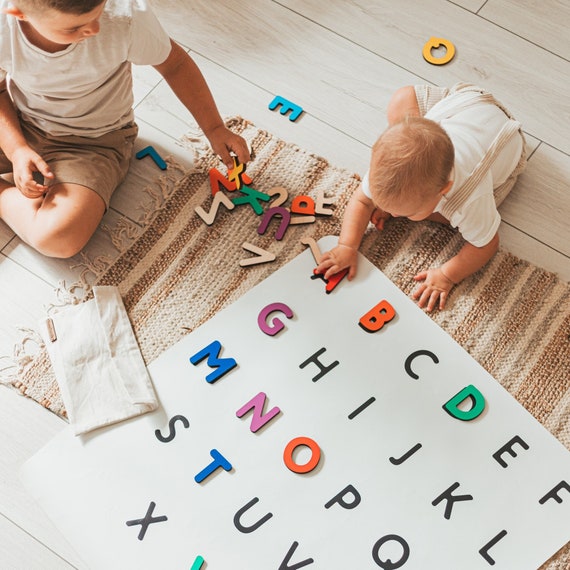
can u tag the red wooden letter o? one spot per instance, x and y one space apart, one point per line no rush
294 444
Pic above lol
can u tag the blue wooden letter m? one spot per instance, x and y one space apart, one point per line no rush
221 365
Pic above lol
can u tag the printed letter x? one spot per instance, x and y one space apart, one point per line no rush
147 520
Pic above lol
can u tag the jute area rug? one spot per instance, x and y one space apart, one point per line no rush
512 317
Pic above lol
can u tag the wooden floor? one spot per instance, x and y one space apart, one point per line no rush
340 60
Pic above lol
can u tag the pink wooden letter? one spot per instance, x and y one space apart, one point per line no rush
259 419
276 323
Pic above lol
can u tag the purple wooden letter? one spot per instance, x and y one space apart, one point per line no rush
276 324
276 211
259 419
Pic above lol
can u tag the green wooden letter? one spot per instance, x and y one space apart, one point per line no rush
477 400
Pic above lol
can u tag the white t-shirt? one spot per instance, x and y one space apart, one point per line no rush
85 89
472 130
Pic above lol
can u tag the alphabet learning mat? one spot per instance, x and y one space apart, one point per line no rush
306 429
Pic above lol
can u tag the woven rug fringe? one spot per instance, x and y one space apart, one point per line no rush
123 234
196 142
8 372
21 357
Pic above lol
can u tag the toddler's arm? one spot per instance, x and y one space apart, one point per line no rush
189 85
25 161
438 282
354 224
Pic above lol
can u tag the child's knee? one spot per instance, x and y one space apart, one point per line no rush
403 102
66 221
57 242
56 250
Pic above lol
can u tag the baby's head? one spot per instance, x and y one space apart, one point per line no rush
410 168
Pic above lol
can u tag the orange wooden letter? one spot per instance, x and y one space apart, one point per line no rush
377 317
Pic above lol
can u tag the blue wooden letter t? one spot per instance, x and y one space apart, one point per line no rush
212 352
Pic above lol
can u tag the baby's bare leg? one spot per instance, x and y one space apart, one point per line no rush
403 103
58 224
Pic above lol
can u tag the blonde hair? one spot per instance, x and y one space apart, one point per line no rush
413 157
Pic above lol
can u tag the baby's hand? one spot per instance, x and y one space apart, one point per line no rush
379 217
436 286
337 259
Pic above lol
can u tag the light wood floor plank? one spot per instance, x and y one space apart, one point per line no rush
251 102
333 79
6 234
145 79
471 5
20 551
25 428
528 79
545 22
541 199
22 297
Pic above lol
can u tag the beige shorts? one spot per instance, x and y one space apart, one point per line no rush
99 163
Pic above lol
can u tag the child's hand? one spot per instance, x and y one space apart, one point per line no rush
224 141
337 259
379 217
25 161
436 286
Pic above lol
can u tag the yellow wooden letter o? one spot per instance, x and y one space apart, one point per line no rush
435 43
